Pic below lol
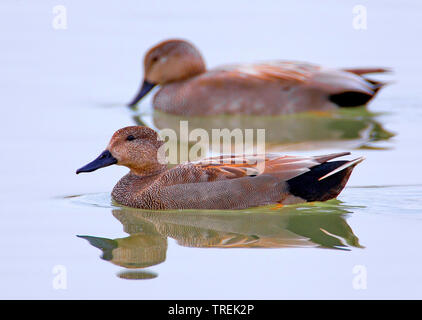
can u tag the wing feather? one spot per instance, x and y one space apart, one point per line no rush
301 73
283 167
284 71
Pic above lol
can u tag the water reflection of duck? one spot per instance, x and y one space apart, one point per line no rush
307 131
321 225
137 251
278 87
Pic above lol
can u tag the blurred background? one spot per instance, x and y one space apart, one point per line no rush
64 93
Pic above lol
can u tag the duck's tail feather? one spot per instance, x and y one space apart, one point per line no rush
348 164
356 98
359 98
323 182
331 156
377 85
361 71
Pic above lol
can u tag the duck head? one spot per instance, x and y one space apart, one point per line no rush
135 147
169 61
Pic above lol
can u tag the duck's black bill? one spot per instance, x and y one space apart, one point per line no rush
105 159
146 87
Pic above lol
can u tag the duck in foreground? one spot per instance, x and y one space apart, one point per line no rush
271 88
224 182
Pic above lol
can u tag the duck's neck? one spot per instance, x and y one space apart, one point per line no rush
148 170
130 189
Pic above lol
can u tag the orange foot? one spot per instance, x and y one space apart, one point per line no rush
278 206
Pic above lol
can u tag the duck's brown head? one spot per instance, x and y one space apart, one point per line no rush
168 61
135 147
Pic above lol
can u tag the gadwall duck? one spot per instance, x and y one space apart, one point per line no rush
224 182
280 87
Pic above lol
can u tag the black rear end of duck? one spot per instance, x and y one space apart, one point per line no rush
349 99
310 187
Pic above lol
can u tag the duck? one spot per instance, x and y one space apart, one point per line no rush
221 182
267 88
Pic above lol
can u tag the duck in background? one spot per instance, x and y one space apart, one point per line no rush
223 182
272 88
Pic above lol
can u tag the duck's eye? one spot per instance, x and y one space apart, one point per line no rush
130 138
154 59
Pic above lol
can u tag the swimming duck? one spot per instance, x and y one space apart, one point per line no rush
281 87
224 182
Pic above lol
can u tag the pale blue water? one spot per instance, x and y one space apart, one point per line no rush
63 95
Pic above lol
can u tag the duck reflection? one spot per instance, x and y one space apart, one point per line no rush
144 247
319 225
342 129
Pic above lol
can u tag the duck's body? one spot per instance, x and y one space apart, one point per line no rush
258 89
219 182
264 89
228 186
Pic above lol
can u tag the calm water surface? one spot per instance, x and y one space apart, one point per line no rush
63 95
